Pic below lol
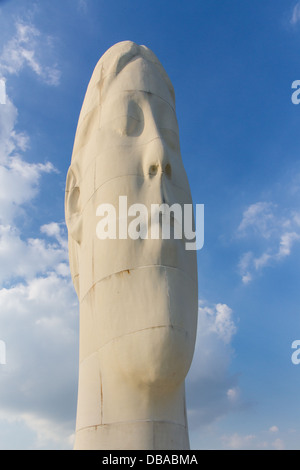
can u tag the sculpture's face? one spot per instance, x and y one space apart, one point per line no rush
141 295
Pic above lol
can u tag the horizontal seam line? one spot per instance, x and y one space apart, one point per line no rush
154 421
132 333
134 269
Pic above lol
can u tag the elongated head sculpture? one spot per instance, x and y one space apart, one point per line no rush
137 289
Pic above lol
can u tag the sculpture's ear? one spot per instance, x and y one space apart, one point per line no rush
73 206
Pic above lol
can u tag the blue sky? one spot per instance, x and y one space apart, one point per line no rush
232 65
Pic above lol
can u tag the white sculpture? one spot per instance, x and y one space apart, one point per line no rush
138 297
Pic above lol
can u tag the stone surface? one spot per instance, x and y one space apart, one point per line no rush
138 298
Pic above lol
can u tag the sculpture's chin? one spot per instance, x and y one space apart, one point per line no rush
157 358
148 332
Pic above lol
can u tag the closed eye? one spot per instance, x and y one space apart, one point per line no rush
134 126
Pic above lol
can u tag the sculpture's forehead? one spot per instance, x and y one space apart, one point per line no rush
141 75
96 136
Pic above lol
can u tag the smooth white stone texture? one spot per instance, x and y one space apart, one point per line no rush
138 298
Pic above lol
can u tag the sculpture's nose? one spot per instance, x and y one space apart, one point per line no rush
158 167
158 158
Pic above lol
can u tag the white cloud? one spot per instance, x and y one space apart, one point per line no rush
273 429
2 91
49 433
82 5
237 442
212 392
259 218
286 242
28 258
295 18
246 278
224 325
9 139
28 48
38 315
38 322
53 229
38 304
19 180
260 440
296 217
278 444
233 394
19 183
261 261
244 266
273 233
215 330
